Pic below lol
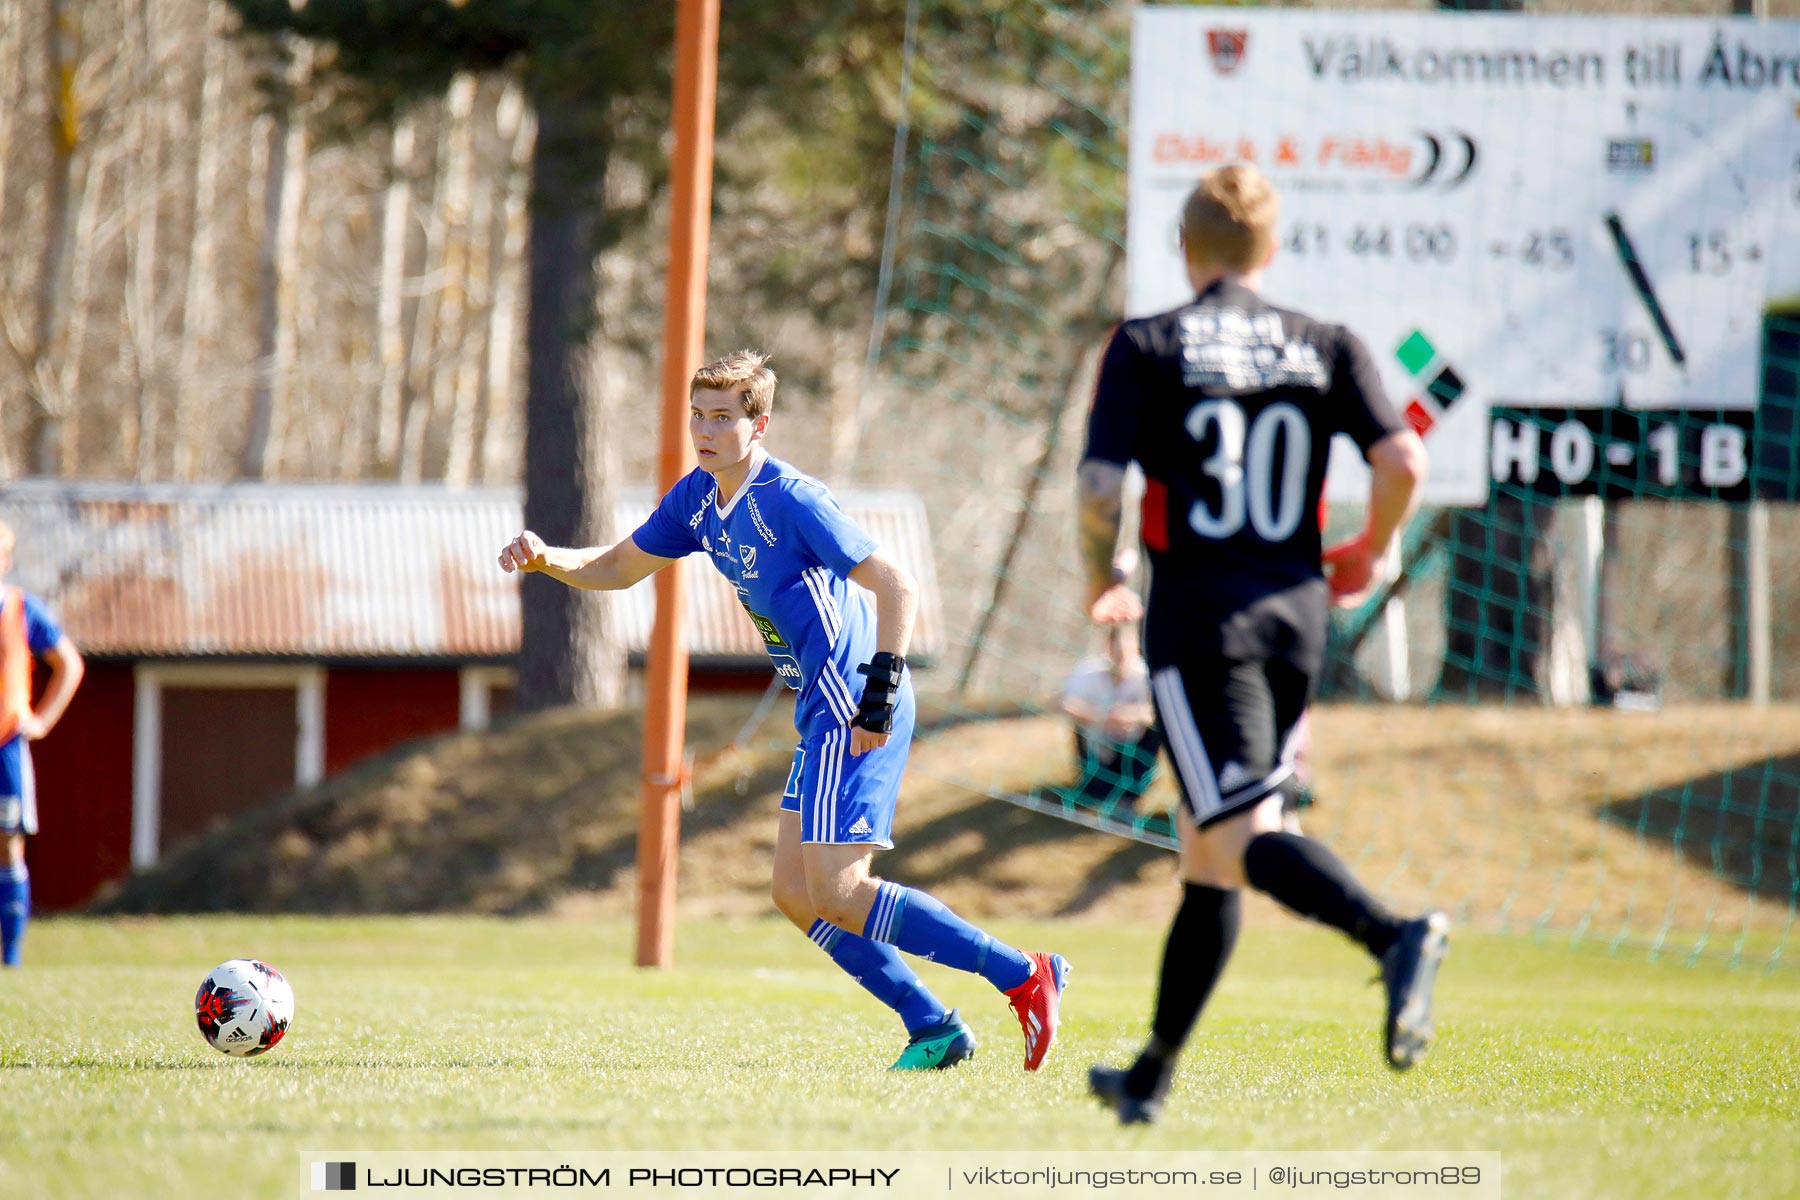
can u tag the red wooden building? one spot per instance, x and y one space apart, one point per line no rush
247 638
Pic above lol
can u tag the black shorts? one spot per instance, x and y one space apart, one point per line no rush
1230 696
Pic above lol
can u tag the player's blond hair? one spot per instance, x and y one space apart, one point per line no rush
1228 222
745 373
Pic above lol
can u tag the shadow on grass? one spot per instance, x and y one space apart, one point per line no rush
1742 824
994 828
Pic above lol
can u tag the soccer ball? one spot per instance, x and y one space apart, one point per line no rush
243 1007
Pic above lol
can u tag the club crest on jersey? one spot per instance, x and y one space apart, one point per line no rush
748 554
1227 48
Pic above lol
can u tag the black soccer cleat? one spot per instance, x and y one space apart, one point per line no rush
1107 1084
1408 970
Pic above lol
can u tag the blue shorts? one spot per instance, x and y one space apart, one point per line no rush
18 789
845 799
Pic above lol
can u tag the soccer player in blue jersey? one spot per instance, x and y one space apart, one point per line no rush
781 539
27 632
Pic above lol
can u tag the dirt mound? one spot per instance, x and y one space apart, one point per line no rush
541 815
500 822
1618 824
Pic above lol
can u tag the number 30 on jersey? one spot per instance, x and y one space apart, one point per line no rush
1243 465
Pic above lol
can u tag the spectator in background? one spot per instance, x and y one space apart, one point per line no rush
28 632
1115 724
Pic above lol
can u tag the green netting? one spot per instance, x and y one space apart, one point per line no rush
1574 715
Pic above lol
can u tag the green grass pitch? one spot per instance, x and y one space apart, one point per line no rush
1593 1076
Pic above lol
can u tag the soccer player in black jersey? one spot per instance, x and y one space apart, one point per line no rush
1229 405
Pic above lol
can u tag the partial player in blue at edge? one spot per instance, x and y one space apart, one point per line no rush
779 536
28 631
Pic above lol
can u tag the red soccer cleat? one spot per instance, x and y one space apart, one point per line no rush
1036 1002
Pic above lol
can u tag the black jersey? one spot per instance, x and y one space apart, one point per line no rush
1229 405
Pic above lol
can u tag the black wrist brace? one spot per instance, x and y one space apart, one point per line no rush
876 712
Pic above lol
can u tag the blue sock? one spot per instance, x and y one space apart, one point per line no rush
15 907
882 973
917 923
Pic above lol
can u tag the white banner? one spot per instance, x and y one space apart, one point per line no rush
1561 211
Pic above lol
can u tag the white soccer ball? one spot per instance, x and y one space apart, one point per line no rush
243 1007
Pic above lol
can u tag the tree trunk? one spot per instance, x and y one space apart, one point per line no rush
415 417
567 655
11 100
278 269
194 394
518 125
11 64
390 307
84 248
465 401
143 186
44 425
455 201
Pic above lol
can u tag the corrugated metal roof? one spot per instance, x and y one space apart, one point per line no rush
349 571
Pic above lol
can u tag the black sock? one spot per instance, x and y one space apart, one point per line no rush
1200 940
1312 881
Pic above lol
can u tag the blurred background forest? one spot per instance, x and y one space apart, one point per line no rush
221 264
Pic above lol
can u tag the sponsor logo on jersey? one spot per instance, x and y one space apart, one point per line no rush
861 828
770 635
756 519
1227 47
1226 347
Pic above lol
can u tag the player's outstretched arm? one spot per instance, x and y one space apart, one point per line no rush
1397 466
594 568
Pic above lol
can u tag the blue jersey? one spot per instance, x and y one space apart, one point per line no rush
789 549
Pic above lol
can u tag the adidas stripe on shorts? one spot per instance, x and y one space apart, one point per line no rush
845 799
18 789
